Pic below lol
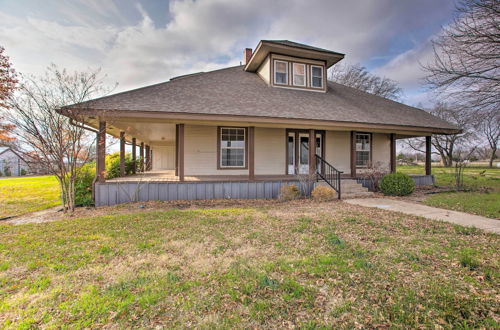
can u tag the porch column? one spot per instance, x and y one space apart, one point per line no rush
251 153
122 153
134 157
101 152
151 159
141 155
393 152
180 151
312 152
353 154
428 155
148 158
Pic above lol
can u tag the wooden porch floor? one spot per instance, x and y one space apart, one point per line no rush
169 176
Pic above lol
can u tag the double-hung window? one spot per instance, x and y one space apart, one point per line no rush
316 76
299 74
280 72
232 147
363 150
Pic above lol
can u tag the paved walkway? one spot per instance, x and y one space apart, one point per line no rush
459 218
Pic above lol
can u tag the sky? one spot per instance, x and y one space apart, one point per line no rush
141 42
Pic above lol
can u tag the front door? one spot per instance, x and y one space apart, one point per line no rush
298 152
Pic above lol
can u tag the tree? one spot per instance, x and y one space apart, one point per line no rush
8 81
466 65
358 77
447 146
489 127
61 145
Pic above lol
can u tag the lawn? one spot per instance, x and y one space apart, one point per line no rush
27 194
264 265
483 197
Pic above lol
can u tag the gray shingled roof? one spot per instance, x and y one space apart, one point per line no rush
233 91
299 45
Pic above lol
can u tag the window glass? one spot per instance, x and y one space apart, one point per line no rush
363 149
281 72
317 76
232 144
299 74
291 150
304 150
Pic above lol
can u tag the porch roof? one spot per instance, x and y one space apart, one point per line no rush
235 92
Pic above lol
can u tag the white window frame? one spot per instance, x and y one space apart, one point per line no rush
305 74
286 72
322 76
369 149
244 148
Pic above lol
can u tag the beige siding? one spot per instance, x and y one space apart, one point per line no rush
200 152
264 71
270 151
338 150
381 150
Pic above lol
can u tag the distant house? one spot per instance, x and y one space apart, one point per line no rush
11 163
242 132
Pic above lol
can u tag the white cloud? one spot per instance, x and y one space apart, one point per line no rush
204 35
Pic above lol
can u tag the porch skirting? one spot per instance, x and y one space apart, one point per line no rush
112 193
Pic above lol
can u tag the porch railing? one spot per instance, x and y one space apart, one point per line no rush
329 174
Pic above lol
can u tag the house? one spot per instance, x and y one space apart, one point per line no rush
11 163
244 131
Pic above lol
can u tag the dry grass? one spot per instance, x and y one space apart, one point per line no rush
260 264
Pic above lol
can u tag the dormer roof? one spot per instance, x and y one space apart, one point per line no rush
286 47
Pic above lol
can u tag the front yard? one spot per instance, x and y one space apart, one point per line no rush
27 194
482 197
264 264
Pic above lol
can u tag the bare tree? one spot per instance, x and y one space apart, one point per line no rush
489 127
446 145
466 64
54 139
8 81
358 77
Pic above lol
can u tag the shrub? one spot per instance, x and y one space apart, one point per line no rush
83 184
289 192
6 171
322 193
397 184
113 165
23 171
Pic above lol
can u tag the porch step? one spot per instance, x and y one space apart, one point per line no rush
349 189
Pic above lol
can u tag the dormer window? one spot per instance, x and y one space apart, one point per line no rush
299 74
280 72
316 76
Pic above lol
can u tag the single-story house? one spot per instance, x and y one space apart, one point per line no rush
11 163
244 131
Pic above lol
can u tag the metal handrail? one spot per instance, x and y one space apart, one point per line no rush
329 174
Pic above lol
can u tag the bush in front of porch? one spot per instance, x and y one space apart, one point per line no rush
86 175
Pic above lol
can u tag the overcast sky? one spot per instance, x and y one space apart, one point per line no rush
148 41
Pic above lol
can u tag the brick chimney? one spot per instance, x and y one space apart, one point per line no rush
247 55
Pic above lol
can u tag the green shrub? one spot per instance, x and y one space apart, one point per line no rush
23 171
113 165
86 175
397 184
83 184
289 192
322 193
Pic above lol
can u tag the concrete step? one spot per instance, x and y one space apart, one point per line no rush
349 189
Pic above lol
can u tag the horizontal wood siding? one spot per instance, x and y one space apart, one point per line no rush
111 193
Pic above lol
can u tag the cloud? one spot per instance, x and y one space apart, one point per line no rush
134 50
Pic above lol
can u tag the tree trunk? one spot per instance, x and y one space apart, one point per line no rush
492 157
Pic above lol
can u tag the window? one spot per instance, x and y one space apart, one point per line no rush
299 74
232 147
363 149
316 76
281 72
